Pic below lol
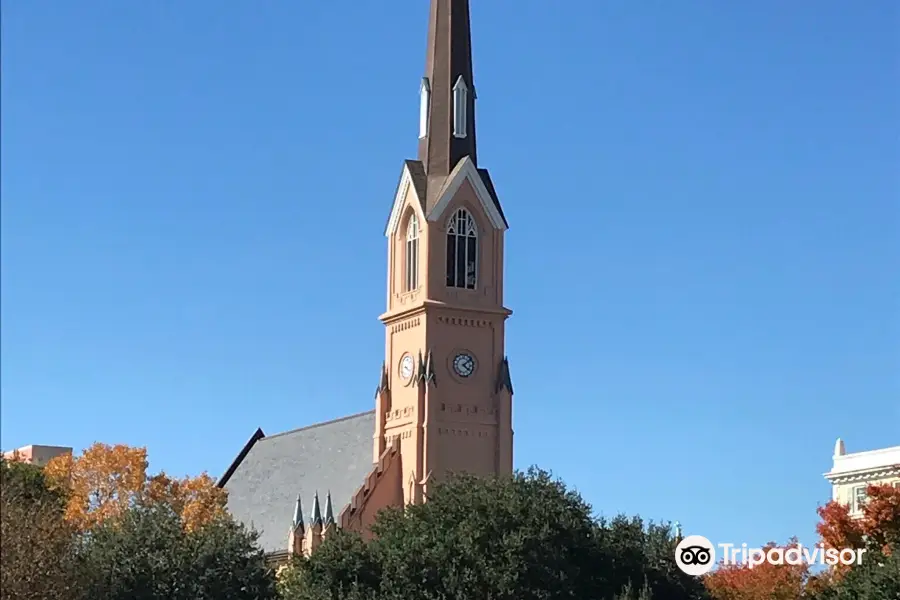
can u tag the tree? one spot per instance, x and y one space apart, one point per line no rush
878 532
147 553
106 480
876 578
36 544
878 527
522 537
738 581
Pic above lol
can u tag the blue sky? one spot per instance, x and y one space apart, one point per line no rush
702 260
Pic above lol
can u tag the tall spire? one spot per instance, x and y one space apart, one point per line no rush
447 111
316 517
329 510
298 515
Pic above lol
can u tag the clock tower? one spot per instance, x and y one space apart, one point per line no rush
445 395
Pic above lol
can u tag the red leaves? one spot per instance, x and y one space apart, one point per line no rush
879 524
762 582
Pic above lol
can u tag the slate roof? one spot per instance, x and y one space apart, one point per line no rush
269 473
420 183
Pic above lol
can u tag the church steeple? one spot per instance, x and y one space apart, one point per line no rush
447 92
446 396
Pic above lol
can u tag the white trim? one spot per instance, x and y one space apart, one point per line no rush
399 199
466 170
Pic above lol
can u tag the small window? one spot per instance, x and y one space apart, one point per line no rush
859 498
412 253
462 251
424 107
460 105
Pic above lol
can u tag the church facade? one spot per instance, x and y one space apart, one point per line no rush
443 402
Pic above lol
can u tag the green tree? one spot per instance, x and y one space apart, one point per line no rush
148 554
36 544
877 578
523 537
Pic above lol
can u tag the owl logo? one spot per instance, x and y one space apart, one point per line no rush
695 555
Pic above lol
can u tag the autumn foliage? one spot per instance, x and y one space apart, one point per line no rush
879 525
106 480
763 582
877 530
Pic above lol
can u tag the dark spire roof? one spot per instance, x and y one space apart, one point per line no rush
383 381
329 510
504 380
420 369
429 369
316 518
448 61
298 515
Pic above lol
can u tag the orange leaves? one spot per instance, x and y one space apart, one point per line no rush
762 582
105 480
196 499
837 528
101 483
880 522
881 515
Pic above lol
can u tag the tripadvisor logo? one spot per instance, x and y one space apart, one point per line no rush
696 555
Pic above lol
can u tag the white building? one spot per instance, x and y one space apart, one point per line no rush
851 473
37 454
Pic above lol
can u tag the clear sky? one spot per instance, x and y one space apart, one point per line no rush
703 260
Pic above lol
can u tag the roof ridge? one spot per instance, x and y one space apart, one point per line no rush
323 423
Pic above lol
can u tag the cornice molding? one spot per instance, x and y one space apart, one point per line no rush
874 473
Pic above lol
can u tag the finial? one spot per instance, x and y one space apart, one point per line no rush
839 449
677 530
329 510
316 518
298 514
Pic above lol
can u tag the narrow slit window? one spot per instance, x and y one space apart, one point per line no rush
462 251
412 253
424 107
460 105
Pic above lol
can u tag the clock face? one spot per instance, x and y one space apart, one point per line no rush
464 364
406 366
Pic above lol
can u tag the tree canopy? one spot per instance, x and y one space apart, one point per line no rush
876 578
36 544
107 479
97 527
523 537
148 554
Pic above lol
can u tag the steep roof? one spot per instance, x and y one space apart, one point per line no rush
270 471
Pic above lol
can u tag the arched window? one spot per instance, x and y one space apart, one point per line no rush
412 253
462 251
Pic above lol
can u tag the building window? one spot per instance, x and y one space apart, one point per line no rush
412 253
859 498
460 103
424 107
462 251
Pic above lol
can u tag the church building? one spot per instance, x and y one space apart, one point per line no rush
444 397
